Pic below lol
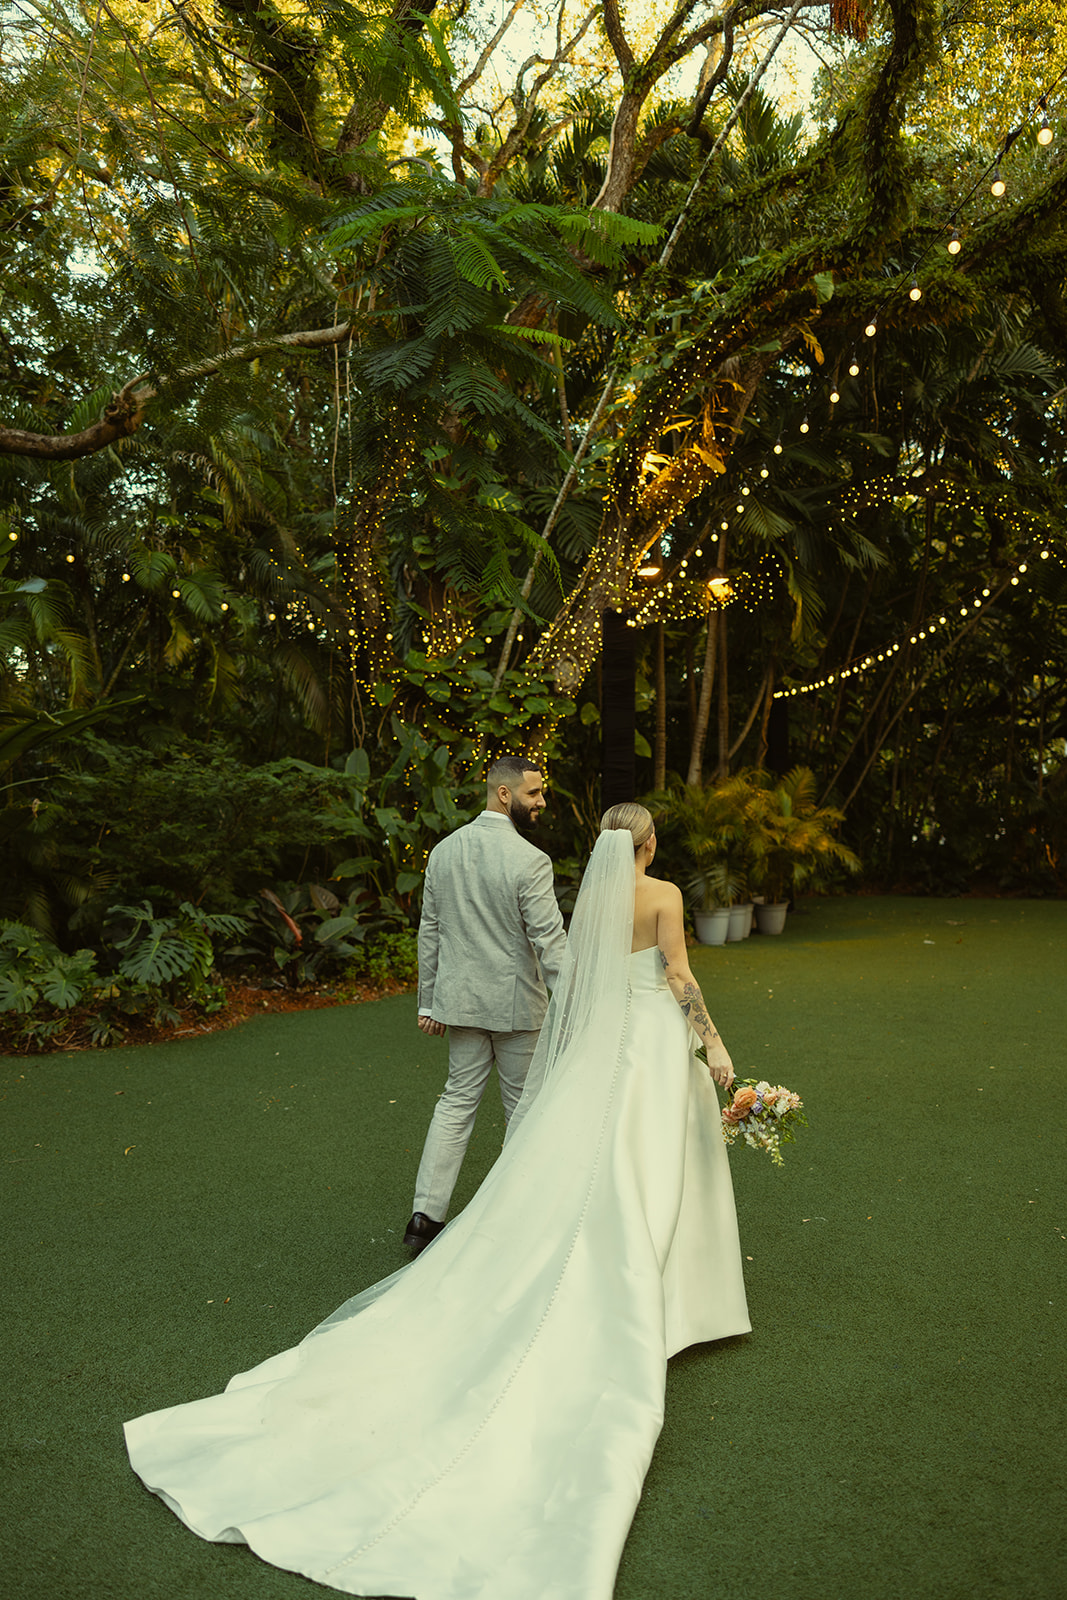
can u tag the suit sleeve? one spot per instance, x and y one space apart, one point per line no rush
541 917
428 945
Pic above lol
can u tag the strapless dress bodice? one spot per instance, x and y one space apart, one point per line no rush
646 971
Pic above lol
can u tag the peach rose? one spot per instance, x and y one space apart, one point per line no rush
743 1102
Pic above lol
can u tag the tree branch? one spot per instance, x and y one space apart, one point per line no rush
125 411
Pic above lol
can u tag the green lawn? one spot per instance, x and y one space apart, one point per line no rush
891 1430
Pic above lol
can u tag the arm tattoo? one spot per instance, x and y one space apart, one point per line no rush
692 1004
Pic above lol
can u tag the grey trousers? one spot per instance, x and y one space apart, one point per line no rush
471 1053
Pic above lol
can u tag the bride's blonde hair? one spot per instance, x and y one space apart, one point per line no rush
629 816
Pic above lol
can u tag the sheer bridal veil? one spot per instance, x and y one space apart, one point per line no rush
542 1176
588 1008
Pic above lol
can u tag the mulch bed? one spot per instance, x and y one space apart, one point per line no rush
243 1000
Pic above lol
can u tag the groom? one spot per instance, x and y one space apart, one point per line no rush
490 929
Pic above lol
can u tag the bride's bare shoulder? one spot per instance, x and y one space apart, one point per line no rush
659 892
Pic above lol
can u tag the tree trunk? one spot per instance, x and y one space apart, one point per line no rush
723 766
703 716
659 772
618 722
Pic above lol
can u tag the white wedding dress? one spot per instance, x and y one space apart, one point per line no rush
479 1425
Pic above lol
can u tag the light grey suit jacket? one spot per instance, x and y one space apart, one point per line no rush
489 917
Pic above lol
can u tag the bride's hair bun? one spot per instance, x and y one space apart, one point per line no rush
629 815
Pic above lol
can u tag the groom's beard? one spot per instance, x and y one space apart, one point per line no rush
524 817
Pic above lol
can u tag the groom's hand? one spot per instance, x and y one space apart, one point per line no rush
428 1025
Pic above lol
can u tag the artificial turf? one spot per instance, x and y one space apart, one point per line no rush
893 1426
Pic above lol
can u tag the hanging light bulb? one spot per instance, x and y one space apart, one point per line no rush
998 185
1044 133
854 367
804 426
652 564
764 472
834 397
954 246
745 489
871 329
914 293
778 446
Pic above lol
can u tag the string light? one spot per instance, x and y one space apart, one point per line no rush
853 367
871 329
914 293
857 668
1044 133
804 426
998 186
954 246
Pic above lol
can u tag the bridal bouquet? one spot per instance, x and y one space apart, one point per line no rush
764 1115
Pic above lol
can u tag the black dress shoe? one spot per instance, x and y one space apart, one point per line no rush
422 1230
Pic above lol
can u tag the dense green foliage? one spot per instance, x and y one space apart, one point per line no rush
297 350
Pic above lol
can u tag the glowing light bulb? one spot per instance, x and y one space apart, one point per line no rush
914 293
271 617
1022 566
745 489
871 329
176 594
125 577
71 560
834 397
764 472
12 535
224 606
739 508
777 451
1044 555
853 367
804 426
724 526
954 245
1015 581
1044 133
998 186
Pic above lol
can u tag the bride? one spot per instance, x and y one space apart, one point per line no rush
478 1426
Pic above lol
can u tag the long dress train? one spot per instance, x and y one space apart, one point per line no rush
479 1425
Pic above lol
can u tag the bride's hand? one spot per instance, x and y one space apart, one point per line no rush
720 1066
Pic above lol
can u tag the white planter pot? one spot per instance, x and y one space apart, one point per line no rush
771 919
740 922
712 926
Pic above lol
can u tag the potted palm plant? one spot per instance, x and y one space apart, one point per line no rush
713 826
791 839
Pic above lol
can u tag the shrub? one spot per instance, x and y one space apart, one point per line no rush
387 958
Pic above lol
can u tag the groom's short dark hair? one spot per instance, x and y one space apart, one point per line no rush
509 771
